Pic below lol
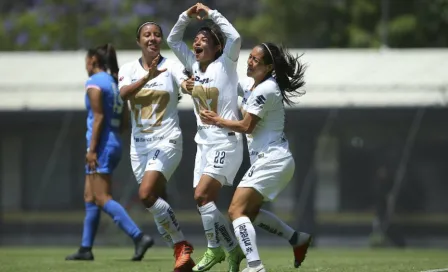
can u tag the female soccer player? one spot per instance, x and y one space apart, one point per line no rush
219 150
104 118
150 84
274 76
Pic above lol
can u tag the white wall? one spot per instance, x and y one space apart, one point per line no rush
335 78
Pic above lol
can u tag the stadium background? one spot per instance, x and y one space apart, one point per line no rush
369 137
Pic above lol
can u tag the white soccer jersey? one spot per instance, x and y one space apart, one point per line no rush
265 101
153 109
216 88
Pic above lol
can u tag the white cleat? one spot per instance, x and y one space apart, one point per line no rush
259 268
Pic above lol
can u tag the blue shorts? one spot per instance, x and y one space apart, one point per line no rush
108 159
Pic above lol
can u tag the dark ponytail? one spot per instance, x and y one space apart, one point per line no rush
107 59
288 71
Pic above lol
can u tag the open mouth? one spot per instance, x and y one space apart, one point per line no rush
198 50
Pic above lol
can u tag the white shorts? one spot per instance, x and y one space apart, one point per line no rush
164 159
219 161
269 177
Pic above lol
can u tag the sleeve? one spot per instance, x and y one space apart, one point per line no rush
244 83
174 40
259 100
124 77
233 38
240 89
92 83
177 72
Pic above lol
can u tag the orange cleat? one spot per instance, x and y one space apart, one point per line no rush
300 252
188 267
182 253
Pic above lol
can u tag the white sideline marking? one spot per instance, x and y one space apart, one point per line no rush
437 270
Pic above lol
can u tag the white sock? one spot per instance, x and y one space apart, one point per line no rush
210 220
272 224
225 235
165 235
247 238
164 216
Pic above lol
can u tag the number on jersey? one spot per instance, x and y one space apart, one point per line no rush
251 171
220 157
117 106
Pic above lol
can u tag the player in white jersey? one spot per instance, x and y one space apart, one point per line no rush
273 77
151 87
219 150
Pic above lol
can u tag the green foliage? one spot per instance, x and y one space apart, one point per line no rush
79 24
349 23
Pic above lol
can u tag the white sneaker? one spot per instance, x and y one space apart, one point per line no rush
259 268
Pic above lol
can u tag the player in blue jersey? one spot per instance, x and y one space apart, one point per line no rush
104 148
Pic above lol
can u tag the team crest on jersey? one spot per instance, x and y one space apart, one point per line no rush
121 78
205 98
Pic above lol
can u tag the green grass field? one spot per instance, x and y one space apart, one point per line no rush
18 259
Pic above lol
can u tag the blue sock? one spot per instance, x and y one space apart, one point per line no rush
122 219
91 222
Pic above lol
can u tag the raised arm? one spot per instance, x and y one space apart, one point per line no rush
233 38
128 88
175 42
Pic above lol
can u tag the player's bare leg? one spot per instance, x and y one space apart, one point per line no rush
152 192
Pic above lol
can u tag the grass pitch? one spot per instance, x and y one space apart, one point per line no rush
276 259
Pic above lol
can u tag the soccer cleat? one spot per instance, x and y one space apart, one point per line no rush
259 268
186 268
211 257
142 246
300 252
80 255
182 253
236 256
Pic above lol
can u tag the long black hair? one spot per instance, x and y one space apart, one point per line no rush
107 59
217 35
288 71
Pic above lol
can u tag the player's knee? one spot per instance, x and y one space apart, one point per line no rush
101 199
88 197
235 212
147 197
201 198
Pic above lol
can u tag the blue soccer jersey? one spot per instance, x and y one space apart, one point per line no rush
109 144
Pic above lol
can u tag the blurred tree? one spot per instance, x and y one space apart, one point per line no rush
79 24
347 23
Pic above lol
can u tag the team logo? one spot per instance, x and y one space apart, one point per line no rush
121 78
260 100
210 236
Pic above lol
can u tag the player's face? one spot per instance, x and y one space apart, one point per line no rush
256 68
150 39
204 47
90 65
